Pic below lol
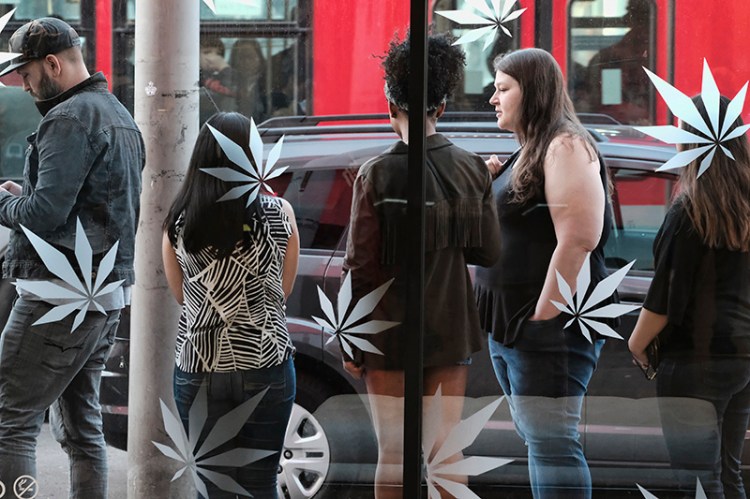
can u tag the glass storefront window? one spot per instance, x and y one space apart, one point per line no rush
70 10
310 72
610 43
243 10
259 76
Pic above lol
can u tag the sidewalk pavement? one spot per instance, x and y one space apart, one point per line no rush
52 468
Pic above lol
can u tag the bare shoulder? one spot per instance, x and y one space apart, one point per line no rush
570 150
286 207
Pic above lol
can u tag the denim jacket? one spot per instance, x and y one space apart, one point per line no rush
83 162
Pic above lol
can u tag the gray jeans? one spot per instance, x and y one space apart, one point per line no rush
48 366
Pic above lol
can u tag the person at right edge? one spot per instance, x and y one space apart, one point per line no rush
552 204
699 305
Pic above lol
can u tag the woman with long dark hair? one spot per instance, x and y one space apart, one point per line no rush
461 228
231 267
700 298
551 197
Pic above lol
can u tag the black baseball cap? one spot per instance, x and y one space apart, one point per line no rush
38 39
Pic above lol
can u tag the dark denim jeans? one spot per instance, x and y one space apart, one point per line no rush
706 442
47 365
264 430
544 377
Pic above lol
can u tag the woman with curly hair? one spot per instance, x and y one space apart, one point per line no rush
701 293
551 197
461 228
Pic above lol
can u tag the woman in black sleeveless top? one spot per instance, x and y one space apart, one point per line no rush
701 294
552 206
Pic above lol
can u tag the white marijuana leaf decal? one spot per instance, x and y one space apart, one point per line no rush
712 133
257 172
210 4
195 459
345 326
81 292
495 17
583 312
7 56
699 492
460 437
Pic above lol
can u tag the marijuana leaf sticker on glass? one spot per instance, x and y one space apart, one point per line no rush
495 16
440 471
257 173
79 293
195 458
584 312
346 325
210 5
711 135
7 56
699 492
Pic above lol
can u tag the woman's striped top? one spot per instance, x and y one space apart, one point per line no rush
233 315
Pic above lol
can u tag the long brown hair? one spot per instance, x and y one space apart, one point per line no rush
546 112
718 202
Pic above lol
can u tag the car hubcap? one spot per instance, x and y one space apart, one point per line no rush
305 458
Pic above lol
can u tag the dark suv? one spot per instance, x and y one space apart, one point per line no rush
330 438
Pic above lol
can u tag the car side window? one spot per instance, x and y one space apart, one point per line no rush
322 200
640 201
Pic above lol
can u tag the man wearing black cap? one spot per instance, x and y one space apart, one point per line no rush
83 164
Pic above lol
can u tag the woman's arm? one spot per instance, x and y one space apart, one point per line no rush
648 326
291 259
171 268
574 193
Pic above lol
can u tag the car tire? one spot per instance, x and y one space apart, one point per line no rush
306 456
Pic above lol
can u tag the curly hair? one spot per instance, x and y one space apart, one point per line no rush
445 63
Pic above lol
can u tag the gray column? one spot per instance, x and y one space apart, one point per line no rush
166 110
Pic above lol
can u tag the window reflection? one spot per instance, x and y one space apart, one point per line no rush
610 44
240 10
474 92
257 77
639 202
70 10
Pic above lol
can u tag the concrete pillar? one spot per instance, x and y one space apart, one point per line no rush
166 110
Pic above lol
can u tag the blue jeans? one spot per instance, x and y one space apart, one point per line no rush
47 365
264 430
544 376
705 435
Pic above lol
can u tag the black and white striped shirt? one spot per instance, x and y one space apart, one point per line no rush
233 309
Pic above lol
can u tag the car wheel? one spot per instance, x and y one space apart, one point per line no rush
305 458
